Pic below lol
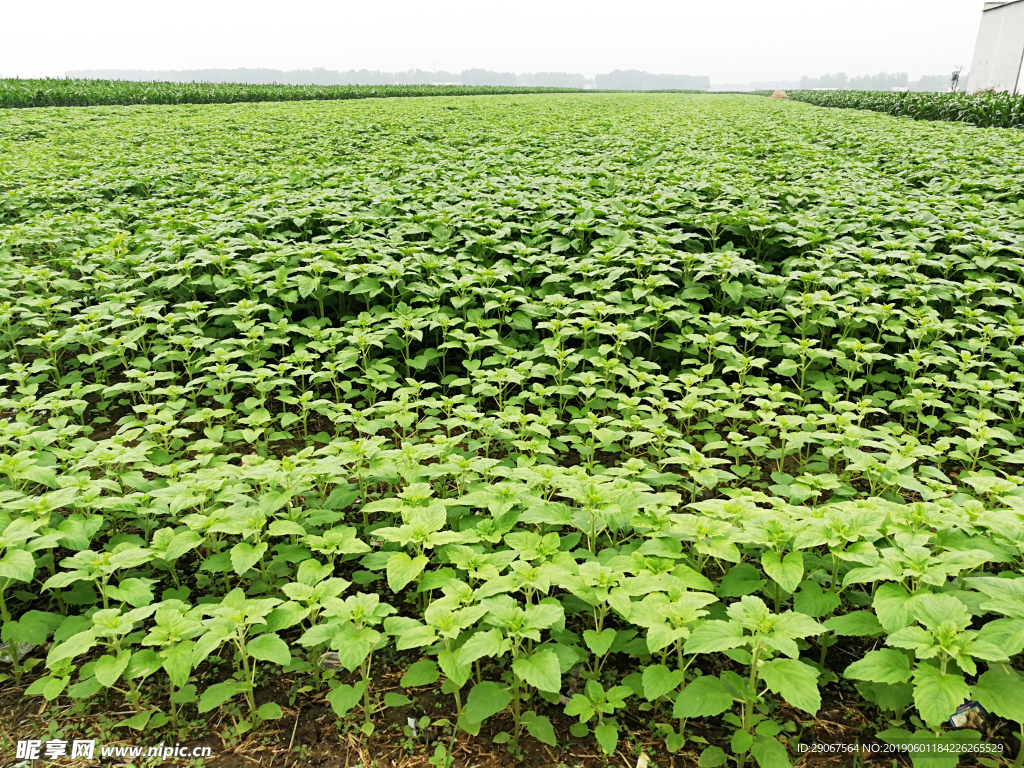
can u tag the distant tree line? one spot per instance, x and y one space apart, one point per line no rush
883 81
628 80
635 80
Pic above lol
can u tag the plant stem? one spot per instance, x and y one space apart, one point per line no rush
515 705
4 613
748 705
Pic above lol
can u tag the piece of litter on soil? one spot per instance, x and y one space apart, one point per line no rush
412 724
330 660
970 714
23 650
643 761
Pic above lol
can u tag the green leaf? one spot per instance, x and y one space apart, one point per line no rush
795 681
696 293
140 720
50 687
884 666
894 607
135 592
216 695
599 642
402 569
856 624
177 662
580 706
1007 634
480 644
734 290
269 647
544 616
473 729
354 645
712 757
71 626
568 656
937 695
619 599
661 636
741 742
811 600
344 697
674 741
185 695
285 528
787 368
269 711
659 680
934 610
541 670
414 637
64 578
714 637
421 673
74 646
244 556
1001 692
787 572
17 565
108 669
770 753
560 244
704 697
33 627
795 625
741 580
486 699
142 664
392 699
607 738
454 669
890 698
540 728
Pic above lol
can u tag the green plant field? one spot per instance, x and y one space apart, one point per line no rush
987 110
581 416
17 93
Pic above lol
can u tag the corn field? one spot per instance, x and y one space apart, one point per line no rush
986 110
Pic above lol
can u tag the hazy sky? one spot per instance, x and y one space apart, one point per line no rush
730 40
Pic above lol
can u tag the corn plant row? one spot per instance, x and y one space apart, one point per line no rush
70 92
615 412
986 110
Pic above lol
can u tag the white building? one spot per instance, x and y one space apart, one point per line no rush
999 53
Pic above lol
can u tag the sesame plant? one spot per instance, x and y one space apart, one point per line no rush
574 417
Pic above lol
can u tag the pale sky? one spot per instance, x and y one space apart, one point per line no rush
732 41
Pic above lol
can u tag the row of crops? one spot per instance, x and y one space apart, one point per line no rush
990 110
987 110
598 422
70 92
